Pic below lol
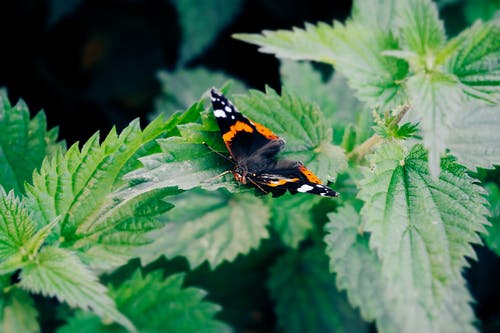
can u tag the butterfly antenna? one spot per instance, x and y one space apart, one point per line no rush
229 158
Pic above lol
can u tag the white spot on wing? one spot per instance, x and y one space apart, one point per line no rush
219 114
305 188
228 109
232 117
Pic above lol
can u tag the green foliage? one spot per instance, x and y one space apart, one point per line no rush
201 21
306 297
60 273
409 63
76 187
228 224
292 217
492 239
359 272
397 239
182 88
24 143
17 312
474 60
156 304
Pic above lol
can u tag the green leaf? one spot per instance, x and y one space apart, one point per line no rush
156 304
474 136
201 22
492 238
292 217
475 60
182 88
436 100
312 43
17 311
19 238
24 143
359 272
335 99
221 227
356 51
16 228
377 15
76 187
306 297
59 273
375 77
481 10
302 126
421 30
421 227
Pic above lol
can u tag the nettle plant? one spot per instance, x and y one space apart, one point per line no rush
401 138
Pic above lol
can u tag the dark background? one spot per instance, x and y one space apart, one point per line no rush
94 67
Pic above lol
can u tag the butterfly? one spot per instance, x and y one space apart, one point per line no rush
253 149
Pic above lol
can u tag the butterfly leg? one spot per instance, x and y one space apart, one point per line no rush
257 185
215 177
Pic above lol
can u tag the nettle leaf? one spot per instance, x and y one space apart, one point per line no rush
201 22
421 227
436 100
17 310
182 88
156 304
24 143
420 28
474 136
20 237
308 138
492 238
221 227
475 60
16 228
375 77
334 98
185 162
301 79
60 273
292 217
76 187
378 15
306 297
356 50
312 43
359 272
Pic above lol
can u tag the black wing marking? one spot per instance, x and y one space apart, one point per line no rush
294 177
241 136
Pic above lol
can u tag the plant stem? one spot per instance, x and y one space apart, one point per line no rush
363 149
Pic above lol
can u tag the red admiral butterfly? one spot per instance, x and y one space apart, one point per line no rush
253 150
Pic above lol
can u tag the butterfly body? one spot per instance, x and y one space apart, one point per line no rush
254 150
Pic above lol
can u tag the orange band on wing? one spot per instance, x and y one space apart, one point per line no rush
280 182
309 175
234 129
265 132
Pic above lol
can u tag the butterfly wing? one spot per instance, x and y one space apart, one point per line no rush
243 137
294 177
